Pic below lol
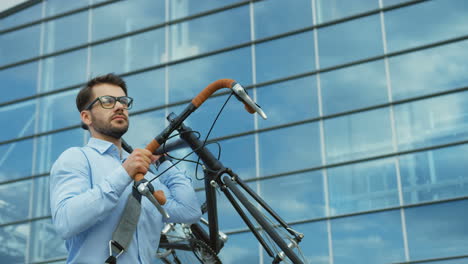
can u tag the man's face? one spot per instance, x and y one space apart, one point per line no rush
109 122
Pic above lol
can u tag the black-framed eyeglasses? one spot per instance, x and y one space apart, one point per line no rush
108 102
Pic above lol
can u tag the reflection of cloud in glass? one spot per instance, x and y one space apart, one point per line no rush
428 71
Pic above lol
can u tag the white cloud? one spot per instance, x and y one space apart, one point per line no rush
6 4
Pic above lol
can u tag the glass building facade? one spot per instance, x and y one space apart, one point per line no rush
367 104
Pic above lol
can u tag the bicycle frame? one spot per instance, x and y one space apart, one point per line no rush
219 176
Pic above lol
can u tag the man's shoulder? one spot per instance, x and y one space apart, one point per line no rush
70 156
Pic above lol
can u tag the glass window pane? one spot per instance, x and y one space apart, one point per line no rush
363 187
187 79
24 16
51 146
449 261
125 16
14 201
241 248
430 122
437 230
434 175
134 52
375 238
350 41
14 240
66 32
358 135
58 111
20 81
54 7
394 2
336 9
296 197
144 127
64 70
147 89
41 197
209 33
271 15
20 119
183 8
16 160
288 102
289 149
428 71
284 57
423 23
45 242
347 89
19 45
315 243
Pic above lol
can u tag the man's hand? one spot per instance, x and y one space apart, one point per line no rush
139 162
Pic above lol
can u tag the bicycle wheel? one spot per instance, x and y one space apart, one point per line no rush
204 253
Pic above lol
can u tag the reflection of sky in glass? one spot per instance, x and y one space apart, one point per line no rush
209 33
428 71
19 119
358 135
240 248
64 70
288 101
295 197
24 42
183 8
331 10
434 175
315 243
16 160
362 187
350 41
125 16
144 127
270 17
58 111
40 194
20 81
291 148
437 230
187 79
66 32
46 244
286 56
147 89
353 87
24 16
14 201
14 240
430 122
54 7
127 54
423 23
373 238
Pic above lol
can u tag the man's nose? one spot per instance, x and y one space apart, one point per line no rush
119 105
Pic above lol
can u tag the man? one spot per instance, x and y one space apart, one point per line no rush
89 186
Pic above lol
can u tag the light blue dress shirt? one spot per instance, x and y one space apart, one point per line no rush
88 191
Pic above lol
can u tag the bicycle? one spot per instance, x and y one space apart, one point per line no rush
217 176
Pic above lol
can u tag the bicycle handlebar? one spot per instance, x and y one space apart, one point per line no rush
197 101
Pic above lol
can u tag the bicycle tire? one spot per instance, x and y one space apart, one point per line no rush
204 253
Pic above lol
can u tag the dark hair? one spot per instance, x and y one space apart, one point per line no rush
85 95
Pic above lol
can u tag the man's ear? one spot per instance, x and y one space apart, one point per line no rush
86 117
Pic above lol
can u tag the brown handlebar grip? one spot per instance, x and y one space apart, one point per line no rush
249 109
210 89
160 197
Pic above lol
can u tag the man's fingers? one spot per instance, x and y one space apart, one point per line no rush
155 158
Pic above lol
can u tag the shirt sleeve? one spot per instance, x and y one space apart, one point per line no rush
182 204
75 206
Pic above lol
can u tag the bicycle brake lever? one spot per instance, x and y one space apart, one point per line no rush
243 96
144 190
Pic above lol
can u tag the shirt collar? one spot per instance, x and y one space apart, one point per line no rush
103 146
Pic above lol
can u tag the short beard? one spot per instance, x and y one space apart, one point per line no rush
108 130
